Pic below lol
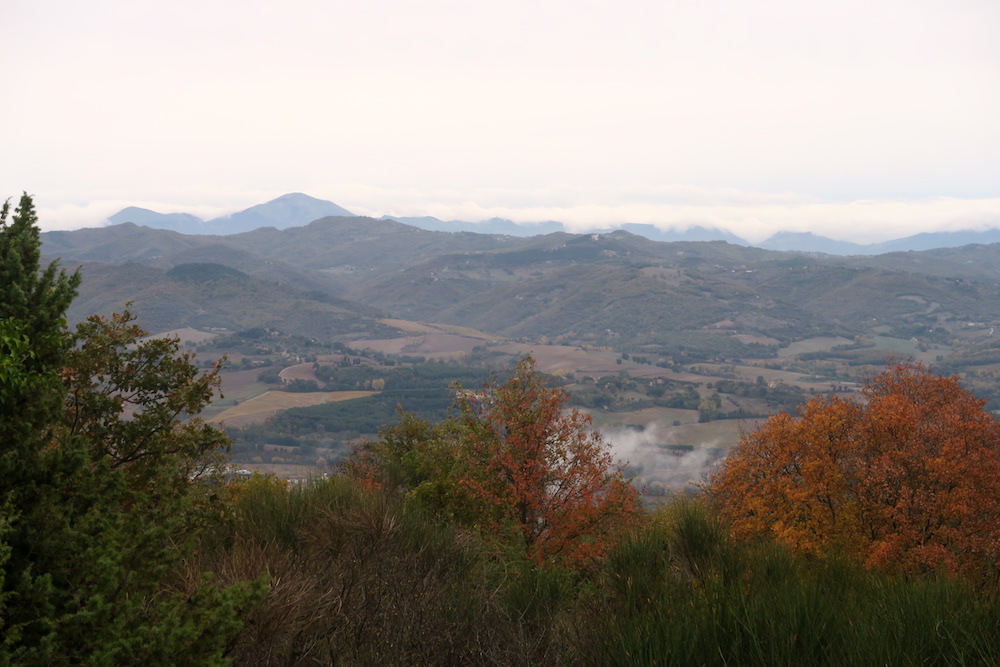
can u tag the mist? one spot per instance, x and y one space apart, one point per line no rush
659 466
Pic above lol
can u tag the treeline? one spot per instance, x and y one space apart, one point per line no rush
625 393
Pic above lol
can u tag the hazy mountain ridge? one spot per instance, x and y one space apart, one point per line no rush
232 300
616 289
291 210
297 209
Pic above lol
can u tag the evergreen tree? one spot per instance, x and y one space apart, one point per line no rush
89 538
37 299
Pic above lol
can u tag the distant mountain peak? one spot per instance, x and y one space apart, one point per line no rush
178 222
809 242
696 233
294 209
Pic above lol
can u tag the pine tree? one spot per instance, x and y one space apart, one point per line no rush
38 300
88 541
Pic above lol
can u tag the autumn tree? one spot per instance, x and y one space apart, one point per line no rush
98 472
531 476
543 473
908 480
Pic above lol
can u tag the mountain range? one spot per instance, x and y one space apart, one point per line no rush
297 209
346 278
289 210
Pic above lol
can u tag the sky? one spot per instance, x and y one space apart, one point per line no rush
857 120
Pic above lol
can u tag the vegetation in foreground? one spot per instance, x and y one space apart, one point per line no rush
504 534
105 486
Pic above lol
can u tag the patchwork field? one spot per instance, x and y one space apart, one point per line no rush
432 345
421 327
298 372
259 408
564 359
819 344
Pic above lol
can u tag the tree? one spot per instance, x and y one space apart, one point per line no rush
100 503
32 306
542 474
909 480
534 479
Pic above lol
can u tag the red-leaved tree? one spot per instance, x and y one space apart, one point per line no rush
909 480
540 476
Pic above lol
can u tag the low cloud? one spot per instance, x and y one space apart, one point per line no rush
753 216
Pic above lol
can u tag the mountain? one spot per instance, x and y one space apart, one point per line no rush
291 210
692 300
654 233
163 249
932 240
491 226
213 296
809 242
184 223
297 209
511 228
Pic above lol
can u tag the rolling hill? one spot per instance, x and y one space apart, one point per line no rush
616 289
297 209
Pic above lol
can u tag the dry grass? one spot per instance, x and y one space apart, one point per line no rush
353 580
271 402
421 327
722 433
464 331
432 344
236 382
818 344
558 359
298 372
387 345
406 325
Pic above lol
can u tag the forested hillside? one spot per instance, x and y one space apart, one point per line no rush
613 289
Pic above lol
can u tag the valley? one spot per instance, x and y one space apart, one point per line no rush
672 347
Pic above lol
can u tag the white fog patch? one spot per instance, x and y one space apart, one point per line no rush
658 465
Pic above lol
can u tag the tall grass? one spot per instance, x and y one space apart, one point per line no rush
355 580
680 593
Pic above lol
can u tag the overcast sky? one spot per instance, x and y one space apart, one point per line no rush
860 120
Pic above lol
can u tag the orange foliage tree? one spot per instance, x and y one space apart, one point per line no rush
535 480
542 475
909 480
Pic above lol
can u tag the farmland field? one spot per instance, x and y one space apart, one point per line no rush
261 407
432 344
298 372
818 344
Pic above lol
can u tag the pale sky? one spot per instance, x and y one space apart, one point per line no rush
858 120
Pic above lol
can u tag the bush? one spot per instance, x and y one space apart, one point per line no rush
681 593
